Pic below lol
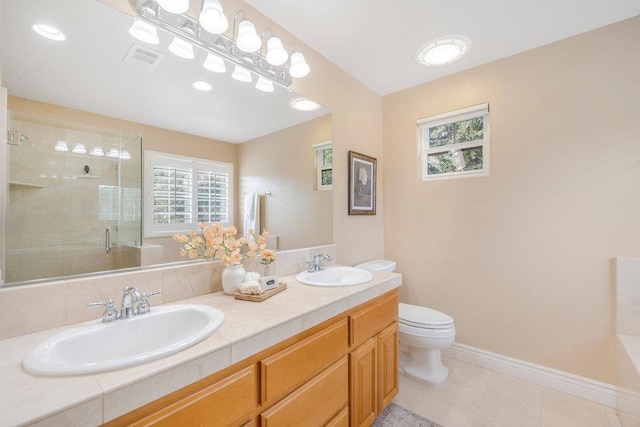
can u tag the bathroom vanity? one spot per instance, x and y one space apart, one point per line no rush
306 356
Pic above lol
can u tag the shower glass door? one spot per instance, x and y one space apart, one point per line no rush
74 199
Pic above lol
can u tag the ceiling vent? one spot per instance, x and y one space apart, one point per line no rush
143 57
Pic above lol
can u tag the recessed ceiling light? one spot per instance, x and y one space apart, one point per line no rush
48 32
200 85
443 50
304 104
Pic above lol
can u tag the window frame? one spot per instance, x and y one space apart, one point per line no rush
153 158
319 148
476 111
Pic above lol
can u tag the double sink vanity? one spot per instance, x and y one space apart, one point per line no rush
323 352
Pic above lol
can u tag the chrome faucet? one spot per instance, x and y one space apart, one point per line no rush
318 262
130 296
110 314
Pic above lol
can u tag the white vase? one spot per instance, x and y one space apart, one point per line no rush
232 276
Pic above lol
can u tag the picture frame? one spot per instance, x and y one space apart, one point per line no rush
362 184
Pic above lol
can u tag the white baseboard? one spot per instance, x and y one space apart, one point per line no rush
585 388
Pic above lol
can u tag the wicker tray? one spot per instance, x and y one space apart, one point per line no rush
263 296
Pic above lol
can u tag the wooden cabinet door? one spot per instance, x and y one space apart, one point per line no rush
364 383
388 364
228 402
313 404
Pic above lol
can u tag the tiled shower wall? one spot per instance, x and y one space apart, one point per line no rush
57 213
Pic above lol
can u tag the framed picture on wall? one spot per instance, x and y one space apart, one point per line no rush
362 184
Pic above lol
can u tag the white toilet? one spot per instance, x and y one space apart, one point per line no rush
424 332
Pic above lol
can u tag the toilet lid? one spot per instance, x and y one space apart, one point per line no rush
423 317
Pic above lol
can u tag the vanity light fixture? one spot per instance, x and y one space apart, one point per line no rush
61 146
248 39
144 32
49 32
304 104
243 49
79 148
241 74
203 86
114 153
212 18
299 67
124 155
443 50
174 6
182 48
276 53
214 63
264 85
97 151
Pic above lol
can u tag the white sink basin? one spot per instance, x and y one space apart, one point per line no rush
335 276
96 346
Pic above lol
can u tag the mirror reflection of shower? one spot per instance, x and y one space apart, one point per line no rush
64 194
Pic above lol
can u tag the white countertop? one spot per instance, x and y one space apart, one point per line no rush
249 328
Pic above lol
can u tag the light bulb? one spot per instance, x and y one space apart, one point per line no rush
174 6
212 17
97 151
214 63
264 85
144 32
79 149
248 40
276 54
114 153
61 146
182 48
241 74
299 67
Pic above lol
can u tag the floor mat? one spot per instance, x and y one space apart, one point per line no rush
397 416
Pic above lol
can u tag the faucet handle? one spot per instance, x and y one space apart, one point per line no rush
110 313
143 305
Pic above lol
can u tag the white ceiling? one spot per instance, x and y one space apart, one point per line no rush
373 40
87 72
376 40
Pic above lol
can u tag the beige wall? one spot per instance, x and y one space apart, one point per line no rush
521 258
284 163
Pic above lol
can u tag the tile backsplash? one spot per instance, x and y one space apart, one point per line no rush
30 308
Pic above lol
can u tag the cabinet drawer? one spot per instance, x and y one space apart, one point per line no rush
340 420
287 370
315 403
370 321
228 402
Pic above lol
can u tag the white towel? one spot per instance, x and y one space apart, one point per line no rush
251 213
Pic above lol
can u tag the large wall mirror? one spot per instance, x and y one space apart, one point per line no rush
76 211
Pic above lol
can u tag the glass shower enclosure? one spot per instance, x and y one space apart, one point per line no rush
74 199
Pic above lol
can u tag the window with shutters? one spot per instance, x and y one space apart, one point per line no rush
184 191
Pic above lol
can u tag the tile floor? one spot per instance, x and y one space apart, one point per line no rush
479 397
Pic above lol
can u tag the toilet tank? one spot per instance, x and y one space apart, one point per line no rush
378 265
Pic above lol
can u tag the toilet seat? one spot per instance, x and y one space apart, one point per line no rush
420 317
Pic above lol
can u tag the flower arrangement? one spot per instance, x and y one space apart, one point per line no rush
217 241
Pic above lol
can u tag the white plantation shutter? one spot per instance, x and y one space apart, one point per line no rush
185 192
